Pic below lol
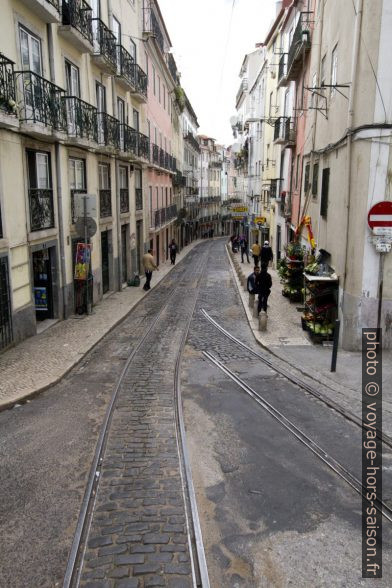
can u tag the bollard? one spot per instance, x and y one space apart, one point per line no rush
251 300
263 321
255 310
244 282
335 346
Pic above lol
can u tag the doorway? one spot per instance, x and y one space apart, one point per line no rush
124 256
157 249
167 244
105 261
43 283
139 245
278 242
5 305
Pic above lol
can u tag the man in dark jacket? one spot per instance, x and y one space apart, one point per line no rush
244 248
173 251
266 254
251 284
263 287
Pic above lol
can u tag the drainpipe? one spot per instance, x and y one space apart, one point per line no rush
350 119
63 277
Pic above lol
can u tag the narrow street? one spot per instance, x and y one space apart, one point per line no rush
272 514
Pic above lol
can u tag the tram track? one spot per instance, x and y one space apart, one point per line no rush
75 563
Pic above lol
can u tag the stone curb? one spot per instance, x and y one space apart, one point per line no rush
8 404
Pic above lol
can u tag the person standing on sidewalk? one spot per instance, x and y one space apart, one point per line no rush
173 251
149 266
244 248
251 283
266 254
263 287
256 249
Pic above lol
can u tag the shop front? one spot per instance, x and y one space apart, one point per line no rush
45 284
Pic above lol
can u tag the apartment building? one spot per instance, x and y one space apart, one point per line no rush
210 187
190 170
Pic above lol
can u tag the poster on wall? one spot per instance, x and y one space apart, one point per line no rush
41 298
82 261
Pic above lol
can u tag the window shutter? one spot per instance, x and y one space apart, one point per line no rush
324 193
315 179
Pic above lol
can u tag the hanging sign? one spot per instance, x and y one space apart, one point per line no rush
239 211
82 261
260 220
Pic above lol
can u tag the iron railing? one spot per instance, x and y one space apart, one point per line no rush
125 63
144 146
140 80
78 14
216 164
156 30
81 118
192 141
155 153
162 216
161 158
106 43
41 209
40 101
108 130
124 200
54 3
284 130
172 66
301 38
282 72
7 85
139 198
105 203
210 200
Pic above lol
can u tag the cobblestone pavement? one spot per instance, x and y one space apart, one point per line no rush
263 498
40 361
138 535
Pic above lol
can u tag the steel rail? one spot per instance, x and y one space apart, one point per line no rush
295 380
76 556
332 463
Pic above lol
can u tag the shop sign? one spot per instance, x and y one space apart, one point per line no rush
239 211
260 220
82 261
41 298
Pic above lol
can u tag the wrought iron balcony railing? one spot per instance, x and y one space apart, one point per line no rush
78 14
54 3
40 101
144 146
300 40
105 203
7 85
140 80
155 154
82 118
125 63
193 142
161 158
282 72
41 209
162 216
124 200
216 164
156 30
105 43
139 198
284 131
108 130
172 66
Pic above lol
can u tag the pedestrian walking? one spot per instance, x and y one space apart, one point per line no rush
173 251
252 278
244 248
263 287
256 250
149 266
266 254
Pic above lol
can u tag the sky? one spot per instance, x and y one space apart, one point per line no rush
210 39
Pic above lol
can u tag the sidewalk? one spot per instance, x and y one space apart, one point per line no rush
41 361
287 341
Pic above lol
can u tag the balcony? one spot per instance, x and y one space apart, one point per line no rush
193 142
82 121
40 103
105 203
171 64
151 26
125 68
144 147
161 158
76 25
242 89
139 91
108 131
124 200
215 164
8 111
139 198
47 10
105 47
284 131
300 45
41 209
163 216
155 154
282 71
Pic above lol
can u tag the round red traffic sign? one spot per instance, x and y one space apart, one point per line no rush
380 215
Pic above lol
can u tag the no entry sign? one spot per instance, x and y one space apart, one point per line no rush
380 215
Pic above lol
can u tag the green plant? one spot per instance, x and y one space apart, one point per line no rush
180 97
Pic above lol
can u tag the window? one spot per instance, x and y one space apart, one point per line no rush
150 205
132 50
323 71
77 174
148 129
104 176
159 89
315 179
324 192
38 164
72 79
155 136
153 81
164 96
270 103
121 118
313 102
123 173
307 177
166 197
146 63
136 120
101 97
30 51
334 69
